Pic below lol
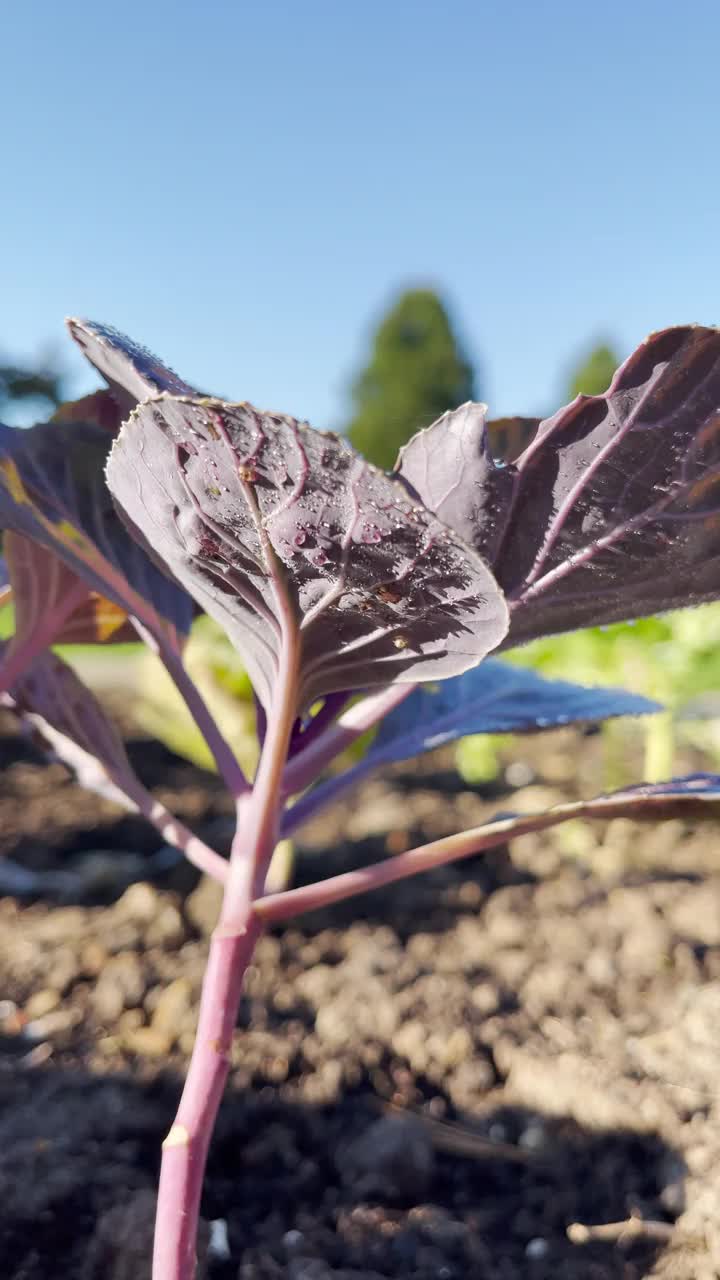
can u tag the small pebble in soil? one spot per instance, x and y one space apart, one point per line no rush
293 1241
219 1246
533 1138
536 1248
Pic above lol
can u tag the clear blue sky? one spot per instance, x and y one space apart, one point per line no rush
244 185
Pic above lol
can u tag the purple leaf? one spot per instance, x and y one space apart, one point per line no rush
612 510
492 698
49 596
53 491
99 407
692 796
52 606
66 720
291 540
451 469
132 372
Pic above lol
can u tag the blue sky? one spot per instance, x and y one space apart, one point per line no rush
244 186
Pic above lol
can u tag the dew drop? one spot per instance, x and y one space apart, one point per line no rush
319 558
370 534
400 642
300 538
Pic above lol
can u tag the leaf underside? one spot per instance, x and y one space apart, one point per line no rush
494 698
49 597
131 371
288 537
53 492
67 721
613 510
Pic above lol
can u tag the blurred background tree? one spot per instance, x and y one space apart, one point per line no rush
33 386
594 374
417 370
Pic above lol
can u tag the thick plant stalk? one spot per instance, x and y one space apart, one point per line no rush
233 942
186 1146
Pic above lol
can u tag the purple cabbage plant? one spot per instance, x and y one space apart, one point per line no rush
357 600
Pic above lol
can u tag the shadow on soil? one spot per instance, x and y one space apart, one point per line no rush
289 1182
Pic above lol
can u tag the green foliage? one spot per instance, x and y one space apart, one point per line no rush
595 373
417 371
215 669
674 658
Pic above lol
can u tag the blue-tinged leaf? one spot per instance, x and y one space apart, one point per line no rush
131 371
696 795
494 698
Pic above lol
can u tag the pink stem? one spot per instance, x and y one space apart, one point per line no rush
177 834
283 906
308 763
186 1146
225 759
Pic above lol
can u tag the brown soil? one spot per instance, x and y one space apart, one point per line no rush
435 1082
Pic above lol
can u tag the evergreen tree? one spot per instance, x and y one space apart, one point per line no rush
417 371
595 373
20 383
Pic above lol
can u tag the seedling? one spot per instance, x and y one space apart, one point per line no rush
357 599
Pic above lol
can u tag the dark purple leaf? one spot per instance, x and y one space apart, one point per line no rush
132 372
67 722
49 596
613 510
287 537
52 606
100 407
53 491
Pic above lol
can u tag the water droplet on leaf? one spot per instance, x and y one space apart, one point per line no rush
371 534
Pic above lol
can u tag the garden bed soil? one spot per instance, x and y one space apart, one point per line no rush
506 1069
